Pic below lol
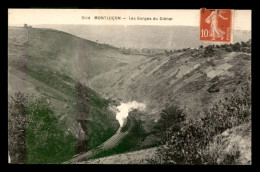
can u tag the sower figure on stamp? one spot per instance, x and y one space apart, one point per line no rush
212 19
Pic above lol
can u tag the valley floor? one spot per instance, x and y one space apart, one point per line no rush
136 157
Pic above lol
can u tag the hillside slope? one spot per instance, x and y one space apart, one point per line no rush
194 82
50 63
82 78
232 144
177 76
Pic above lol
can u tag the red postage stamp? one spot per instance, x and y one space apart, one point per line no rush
215 25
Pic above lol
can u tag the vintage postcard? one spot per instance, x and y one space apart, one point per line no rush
110 86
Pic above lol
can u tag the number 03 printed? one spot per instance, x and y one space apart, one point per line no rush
215 25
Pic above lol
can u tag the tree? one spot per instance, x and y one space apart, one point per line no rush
178 137
224 46
17 128
183 147
243 44
249 42
228 49
209 52
236 47
35 134
171 118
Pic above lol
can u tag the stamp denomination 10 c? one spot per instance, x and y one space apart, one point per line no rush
215 25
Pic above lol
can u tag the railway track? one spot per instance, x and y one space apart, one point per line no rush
109 144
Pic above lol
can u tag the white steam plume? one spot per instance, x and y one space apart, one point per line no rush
124 108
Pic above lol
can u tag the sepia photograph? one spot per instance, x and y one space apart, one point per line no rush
110 86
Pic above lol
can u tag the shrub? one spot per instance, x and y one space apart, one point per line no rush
171 119
209 52
223 46
183 147
41 138
214 153
186 145
228 49
243 44
236 47
233 111
249 42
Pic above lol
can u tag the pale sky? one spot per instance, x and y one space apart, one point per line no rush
18 17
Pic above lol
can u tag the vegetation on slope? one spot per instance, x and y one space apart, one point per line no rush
189 144
56 61
96 120
46 46
35 134
47 59
197 78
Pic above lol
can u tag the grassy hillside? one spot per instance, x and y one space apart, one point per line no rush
178 75
50 63
190 76
83 79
